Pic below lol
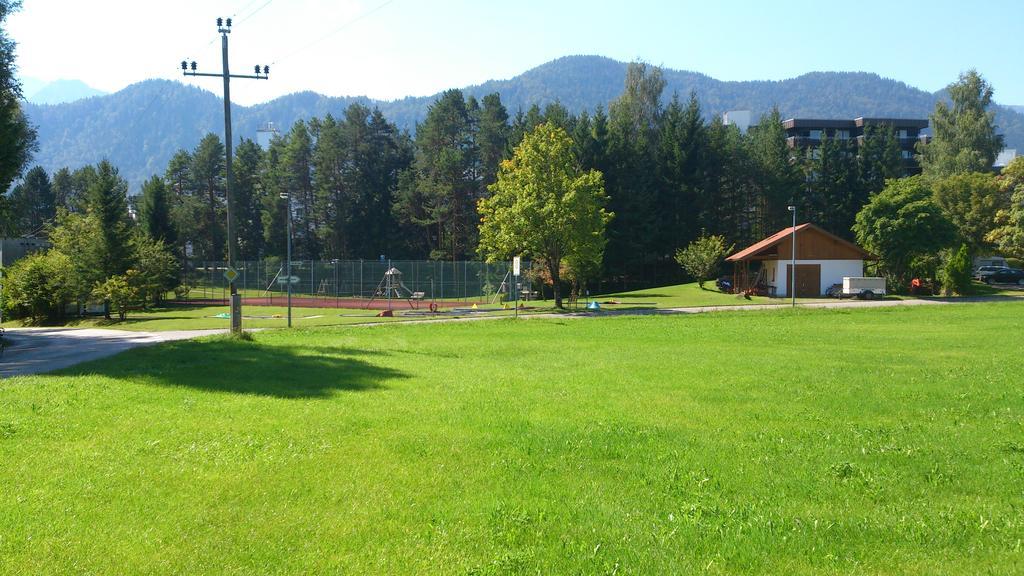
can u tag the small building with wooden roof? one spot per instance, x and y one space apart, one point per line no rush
822 259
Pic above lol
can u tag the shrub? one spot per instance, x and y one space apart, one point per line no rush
39 286
701 258
119 292
956 272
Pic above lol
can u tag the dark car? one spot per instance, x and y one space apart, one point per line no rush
1001 275
983 271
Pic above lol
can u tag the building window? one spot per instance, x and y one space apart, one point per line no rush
907 155
814 134
843 134
904 134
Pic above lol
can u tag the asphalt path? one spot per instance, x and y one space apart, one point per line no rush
38 350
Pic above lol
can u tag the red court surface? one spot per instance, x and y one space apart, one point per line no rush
352 303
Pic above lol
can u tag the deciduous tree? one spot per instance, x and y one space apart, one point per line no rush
544 206
702 257
903 223
964 135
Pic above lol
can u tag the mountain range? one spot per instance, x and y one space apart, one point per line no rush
140 127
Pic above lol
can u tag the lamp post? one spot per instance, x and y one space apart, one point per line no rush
792 265
288 198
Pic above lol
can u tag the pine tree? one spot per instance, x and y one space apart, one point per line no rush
631 177
878 159
297 165
492 138
32 203
444 183
107 202
248 224
831 200
682 165
207 180
778 176
274 209
155 212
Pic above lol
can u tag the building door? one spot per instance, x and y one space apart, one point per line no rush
808 280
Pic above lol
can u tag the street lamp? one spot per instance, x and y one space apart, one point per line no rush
288 198
792 265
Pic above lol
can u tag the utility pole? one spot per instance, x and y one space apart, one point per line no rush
224 28
792 265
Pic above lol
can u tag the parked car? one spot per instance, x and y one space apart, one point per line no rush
1003 276
983 271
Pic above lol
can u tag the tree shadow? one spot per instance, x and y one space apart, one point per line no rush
228 365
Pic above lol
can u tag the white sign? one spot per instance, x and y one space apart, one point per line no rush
285 280
231 274
515 266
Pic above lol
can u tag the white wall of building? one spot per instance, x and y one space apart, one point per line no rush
832 272
741 118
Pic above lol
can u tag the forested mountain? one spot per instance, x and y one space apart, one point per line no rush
140 127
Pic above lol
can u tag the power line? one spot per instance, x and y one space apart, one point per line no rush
244 7
333 32
254 12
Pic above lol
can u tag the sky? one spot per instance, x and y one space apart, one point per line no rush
388 49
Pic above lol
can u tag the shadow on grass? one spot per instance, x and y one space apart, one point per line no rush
226 365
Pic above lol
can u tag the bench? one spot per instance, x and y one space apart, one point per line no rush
417 296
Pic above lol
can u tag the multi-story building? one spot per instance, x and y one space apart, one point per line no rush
807 133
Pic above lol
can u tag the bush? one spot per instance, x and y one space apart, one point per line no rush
182 292
701 258
1015 263
156 270
39 287
119 292
956 272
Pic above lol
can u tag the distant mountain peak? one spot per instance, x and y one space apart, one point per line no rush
62 92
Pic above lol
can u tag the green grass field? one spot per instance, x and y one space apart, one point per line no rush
881 441
684 295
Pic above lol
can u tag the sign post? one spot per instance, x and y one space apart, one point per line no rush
515 283
236 301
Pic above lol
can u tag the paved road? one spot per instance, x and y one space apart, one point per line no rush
36 350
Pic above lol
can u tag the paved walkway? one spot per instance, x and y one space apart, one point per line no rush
37 350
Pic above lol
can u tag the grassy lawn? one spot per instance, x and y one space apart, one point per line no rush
871 441
686 295
195 317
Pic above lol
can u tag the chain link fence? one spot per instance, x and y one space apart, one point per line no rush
466 281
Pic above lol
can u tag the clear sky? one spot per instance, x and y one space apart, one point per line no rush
393 48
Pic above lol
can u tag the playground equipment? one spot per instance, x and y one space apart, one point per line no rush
391 287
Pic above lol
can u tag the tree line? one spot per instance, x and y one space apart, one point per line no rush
359 187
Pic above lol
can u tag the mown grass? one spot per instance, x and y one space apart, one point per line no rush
872 441
686 295
203 317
